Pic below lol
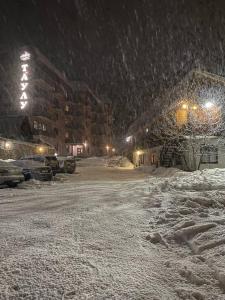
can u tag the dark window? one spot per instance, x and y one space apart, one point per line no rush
209 154
153 159
56 131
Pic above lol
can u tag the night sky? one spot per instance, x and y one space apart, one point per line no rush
128 51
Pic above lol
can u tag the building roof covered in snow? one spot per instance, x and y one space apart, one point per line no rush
196 85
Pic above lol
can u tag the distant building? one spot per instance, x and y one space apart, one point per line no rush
184 128
62 114
92 122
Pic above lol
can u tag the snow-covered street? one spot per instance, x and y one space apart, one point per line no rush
110 233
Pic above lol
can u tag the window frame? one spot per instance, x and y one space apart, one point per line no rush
209 154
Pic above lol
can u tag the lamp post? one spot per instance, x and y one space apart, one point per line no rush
107 149
85 147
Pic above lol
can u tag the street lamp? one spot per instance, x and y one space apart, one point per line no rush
184 106
40 149
209 104
107 149
85 145
129 139
8 145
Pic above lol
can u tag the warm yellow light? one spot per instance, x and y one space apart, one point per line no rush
184 106
40 149
194 107
8 145
113 150
107 147
138 152
85 144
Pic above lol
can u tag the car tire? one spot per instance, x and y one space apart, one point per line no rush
12 184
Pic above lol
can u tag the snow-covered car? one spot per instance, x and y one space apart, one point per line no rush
67 164
48 160
34 169
10 175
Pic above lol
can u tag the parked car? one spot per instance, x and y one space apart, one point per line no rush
34 169
67 164
48 160
10 175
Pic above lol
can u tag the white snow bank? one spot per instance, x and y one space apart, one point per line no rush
120 162
92 162
208 179
161 171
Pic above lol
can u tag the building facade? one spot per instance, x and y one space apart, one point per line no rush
188 131
62 114
92 122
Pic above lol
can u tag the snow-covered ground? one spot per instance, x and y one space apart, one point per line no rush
114 233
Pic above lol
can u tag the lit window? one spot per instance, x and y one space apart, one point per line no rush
79 150
35 125
44 127
209 154
67 135
67 108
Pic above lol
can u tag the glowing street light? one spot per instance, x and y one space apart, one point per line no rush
8 145
209 104
40 149
129 139
184 106
113 150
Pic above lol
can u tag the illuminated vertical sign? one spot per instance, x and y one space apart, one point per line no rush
24 79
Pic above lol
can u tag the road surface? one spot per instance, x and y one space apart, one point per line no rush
83 237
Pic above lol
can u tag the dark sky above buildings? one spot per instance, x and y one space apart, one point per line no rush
128 51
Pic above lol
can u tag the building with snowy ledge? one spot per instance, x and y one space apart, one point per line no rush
59 113
185 127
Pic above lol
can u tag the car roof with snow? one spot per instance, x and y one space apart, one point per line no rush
28 163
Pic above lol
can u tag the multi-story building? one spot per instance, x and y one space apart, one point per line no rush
92 122
59 113
33 87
